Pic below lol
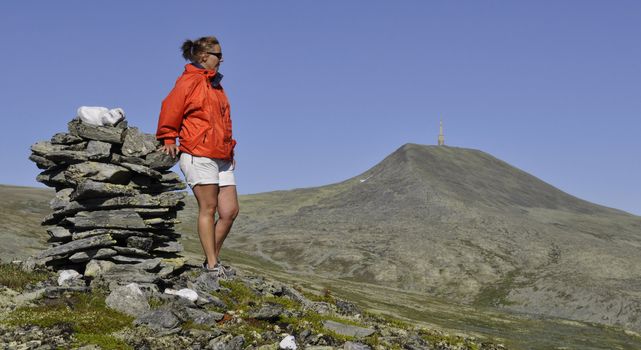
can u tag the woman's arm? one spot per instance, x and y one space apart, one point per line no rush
172 112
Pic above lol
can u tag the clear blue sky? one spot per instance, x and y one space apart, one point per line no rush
323 90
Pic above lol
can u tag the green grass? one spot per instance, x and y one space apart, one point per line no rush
13 277
91 320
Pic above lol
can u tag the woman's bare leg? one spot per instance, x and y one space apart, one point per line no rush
227 213
207 197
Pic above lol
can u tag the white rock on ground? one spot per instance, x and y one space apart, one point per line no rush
183 293
288 343
67 275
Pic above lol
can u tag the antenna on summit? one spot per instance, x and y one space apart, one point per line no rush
441 139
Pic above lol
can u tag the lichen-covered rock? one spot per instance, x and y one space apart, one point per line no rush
94 189
81 244
97 171
138 144
112 134
128 299
120 219
160 161
102 253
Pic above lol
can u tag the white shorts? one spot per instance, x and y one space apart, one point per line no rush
203 170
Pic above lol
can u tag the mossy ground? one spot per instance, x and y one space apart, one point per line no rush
87 315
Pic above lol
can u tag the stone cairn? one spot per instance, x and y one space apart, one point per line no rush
115 202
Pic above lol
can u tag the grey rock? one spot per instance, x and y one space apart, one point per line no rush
165 200
226 342
67 156
93 132
120 219
321 307
160 319
162 213
207 282
160 161
97 171
98 150
355 346
138 144
93 189
268 312
64 138
127 259
125 273
169 247
119 159
296 296
208 318
61 199
41 162
79 245
96 268
42 148
143 170
347 308
142 243
102 253
59 234
54 178
127 251
115 233
170 176
148 265
128 299
347 330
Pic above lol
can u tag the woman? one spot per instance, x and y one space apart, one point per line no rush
197 112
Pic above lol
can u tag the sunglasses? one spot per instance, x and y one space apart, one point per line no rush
217 54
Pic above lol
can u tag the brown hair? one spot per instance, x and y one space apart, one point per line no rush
193 50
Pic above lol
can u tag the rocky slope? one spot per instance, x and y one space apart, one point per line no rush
459 224
45 310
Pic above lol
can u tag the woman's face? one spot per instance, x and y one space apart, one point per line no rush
210 58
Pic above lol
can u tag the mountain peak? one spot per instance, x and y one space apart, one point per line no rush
451 176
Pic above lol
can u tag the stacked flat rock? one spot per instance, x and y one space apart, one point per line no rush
115 197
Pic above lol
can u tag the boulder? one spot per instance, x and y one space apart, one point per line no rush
128 299
160 320
66 276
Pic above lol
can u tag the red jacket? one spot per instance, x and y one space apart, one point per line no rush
199 114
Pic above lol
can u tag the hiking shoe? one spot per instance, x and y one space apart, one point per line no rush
218 271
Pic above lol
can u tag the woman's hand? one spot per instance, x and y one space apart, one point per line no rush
170 149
